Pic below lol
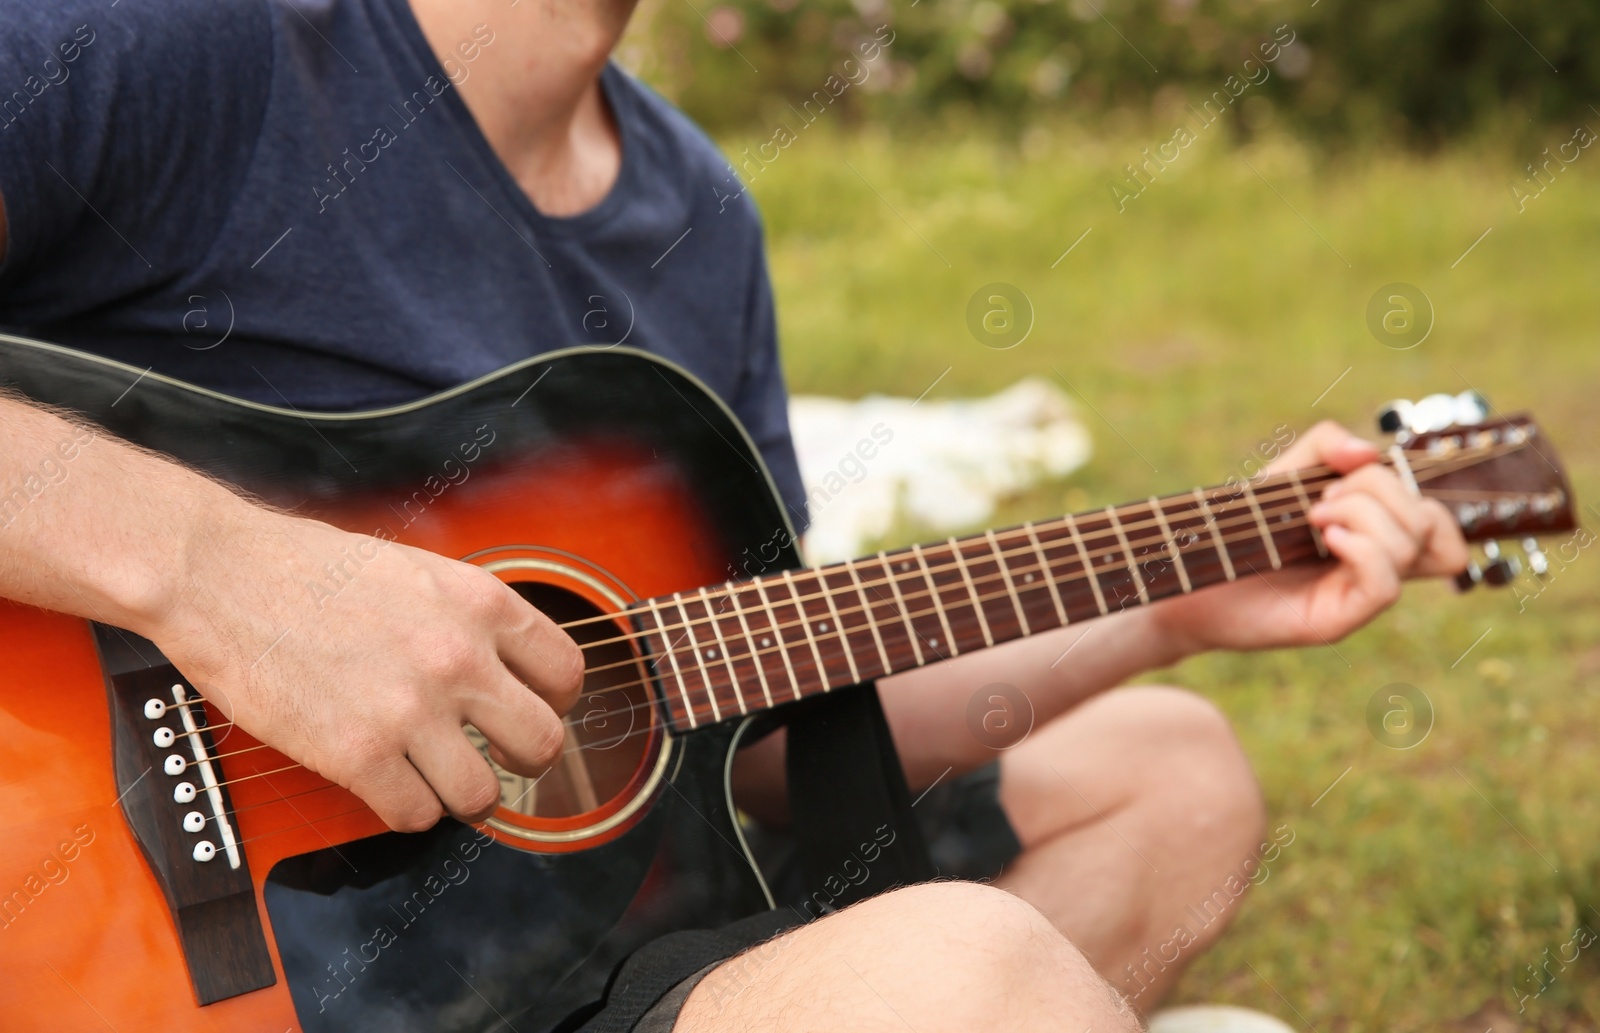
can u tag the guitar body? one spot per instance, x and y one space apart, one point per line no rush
588 480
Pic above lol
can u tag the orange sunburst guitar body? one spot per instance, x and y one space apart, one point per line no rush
162 871
614 479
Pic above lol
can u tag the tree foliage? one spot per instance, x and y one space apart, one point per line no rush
1416 71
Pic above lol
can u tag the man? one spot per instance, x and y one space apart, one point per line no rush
348 203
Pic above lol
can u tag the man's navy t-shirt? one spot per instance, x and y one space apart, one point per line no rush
292 203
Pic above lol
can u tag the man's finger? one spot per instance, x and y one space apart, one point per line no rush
539 652
1373 579
1446 548
1384 485
397 793
1364 515
1326 444
462 779
524 731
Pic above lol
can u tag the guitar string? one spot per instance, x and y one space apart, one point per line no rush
1317 473
1202 547
1227 518
1296 553
362 808
1232 507
1244 520
840 637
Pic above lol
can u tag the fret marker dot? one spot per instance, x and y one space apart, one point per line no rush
905 566
711 654
823 626
765 642
1027 577
933 643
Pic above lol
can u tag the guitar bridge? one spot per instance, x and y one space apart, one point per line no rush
174 797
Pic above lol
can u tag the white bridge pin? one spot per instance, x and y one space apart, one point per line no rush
164 737
204 850
183 792
173 765
194 821
154 709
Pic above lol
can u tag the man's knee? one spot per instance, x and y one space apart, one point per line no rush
979 953
947 956
1195 763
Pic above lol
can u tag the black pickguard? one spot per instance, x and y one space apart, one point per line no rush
406 933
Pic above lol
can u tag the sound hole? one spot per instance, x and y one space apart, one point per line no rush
608 730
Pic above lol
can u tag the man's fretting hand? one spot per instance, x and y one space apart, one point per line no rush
1379 532
367 678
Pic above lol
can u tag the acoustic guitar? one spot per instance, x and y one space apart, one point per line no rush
160 870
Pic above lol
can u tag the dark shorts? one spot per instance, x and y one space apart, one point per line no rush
968 836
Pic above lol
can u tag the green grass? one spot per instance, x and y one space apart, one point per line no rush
1195 322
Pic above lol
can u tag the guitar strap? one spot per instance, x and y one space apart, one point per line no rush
854 831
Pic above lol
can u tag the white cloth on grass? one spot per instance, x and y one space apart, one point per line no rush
941 464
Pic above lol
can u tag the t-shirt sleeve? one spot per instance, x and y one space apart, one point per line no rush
123 131
762 402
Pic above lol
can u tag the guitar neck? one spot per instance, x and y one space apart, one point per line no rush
751 645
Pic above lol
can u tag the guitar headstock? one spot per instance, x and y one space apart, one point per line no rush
1499 477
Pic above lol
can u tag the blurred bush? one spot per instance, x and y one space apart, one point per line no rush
1413 71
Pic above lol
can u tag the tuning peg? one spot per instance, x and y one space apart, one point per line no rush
1500 570
1393 416
1537 561
1470 578
1435 412
1471 408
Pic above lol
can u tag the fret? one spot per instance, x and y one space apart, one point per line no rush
1261 522
805 625
722 647
972 590
1046 573
1216 535
705 675
900 604
750 640
866 609
938 603
1172 545
1305 503
776 627
1088 564
1005 572
672 657
1127 554
844 641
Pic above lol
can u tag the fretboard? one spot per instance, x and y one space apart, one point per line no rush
747 646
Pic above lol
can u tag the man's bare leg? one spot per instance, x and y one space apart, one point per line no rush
1137 813
946 957
1095 782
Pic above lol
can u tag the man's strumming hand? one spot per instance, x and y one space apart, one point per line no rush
362 659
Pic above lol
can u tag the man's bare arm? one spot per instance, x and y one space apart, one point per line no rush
370 687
